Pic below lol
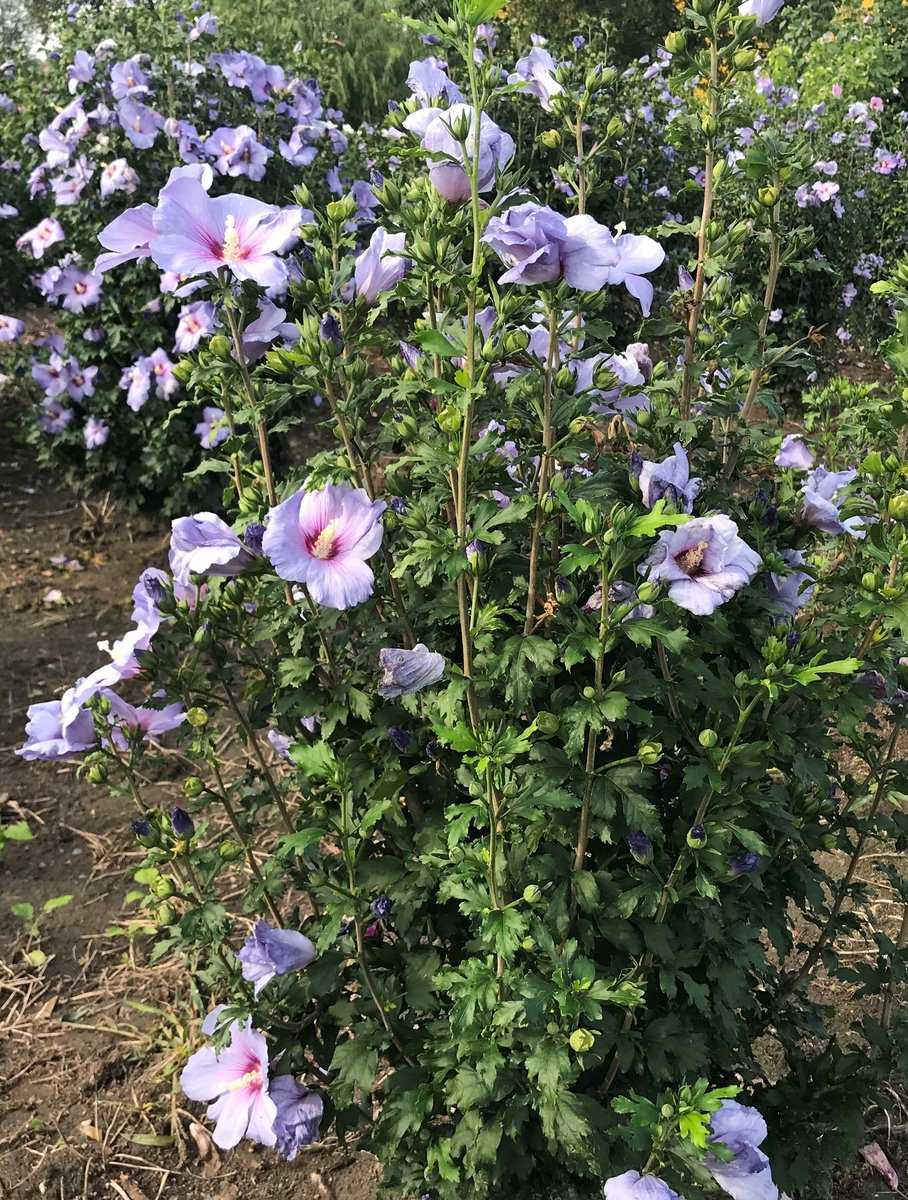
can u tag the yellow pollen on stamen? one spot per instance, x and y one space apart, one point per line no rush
244 1081
231 240
324 543
691 558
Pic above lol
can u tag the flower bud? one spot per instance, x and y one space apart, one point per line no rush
696 836
400 738
614 127
768 196
219 345
197 718
564 378
898 507
532 893
381 907
230 851
647 592
892 462
707 738
709 124
528 943
490 352
565 590
649 753
589 693
870 581
163 887
516 341
551 138
182 823
329 331
676 41
581 1041
165 914
547 722
144 832
475 555
449 418
745 58
97 773
641 848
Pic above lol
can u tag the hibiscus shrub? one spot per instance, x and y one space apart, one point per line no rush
551 677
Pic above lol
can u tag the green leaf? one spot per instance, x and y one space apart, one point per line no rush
18 831
56 902
22 909
357 1065
316 760
843 666
505 928
433 342
548 1063
658 518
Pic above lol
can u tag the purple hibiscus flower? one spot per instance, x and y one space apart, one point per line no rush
205 545
428 82
213 427
82 70
196 235
538 245
137 381
670 480
324 539
138 721
80 383
78 290
270 324
270 952
160 370
95 433
140 123
634 1186
704 563
44 235
48 737
118 176
299 1116
434 127
236 1079
407 671
762 10
128 79
238 152
794 452
197 321
741 1129
822 492
11 328
790 591
381 266
535 73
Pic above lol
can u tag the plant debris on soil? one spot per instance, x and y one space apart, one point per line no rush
92 1038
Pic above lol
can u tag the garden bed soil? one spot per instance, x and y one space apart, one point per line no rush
92 1038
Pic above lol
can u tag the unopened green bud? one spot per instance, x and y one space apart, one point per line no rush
197 718
589 693
644 417
532 893
614 127
163 887
564 378
709 124
581 1041
547 722
719 169
870 581
449 418
165 914
768 196
219 345
898 507
708 738
744 58
193 787
892 462
550 138
97 773
490 352
230 850
649 754
516 341
676 41
666 1111
528 943
647 592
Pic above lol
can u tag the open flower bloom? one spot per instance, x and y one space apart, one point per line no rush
236 1079
127 237
535 73
197 321
48 736
131 720
670 480
634 1186
794 452
703 563
205 545
324 539
381 266
822 500
44 235
741 1129
299 1116
407 671
449 174
762 10
538 245
790 592
427 81
11 328
269 952
213 427
196 235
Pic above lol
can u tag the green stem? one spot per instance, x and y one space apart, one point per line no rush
548 438
592 737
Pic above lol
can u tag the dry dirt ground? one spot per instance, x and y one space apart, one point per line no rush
91 1038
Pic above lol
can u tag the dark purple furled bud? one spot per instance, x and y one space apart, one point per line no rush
434 748
696 836
329 330
381 907
142 828
411 354
744 863
372 933
398 505
875 684
155 589
393 106
183 825
641 848
252 537
771 517
792 638
475 553
761 496
635 464
429 39
400 738
304 253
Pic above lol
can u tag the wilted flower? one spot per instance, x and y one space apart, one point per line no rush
741 1129
324 539
822 500
435 127
270 952
400 738
205 545
182 823
790 592
299 1116
428 82
11 328
634 1186
49 736
794 452
407 671
236 1079
140 720
744 863
670 480
535 74
703 562
381 266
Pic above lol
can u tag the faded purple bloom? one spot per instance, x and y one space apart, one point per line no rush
238 152
670 480
540 246
790 592
197 321
270 324
823 499
213 427
253 535
400 738
762 10
11 328
49 736
381 266
535 72
137 381
269 952
324 539
95 433
641 848
407 671
704 563
299 1116
428 82
236 1079
794 452
280 743
634 1186
741 1129
196 235
44 235
205 545
744 863
449 177
54 417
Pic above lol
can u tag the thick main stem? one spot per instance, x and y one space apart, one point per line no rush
548 439
693 320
